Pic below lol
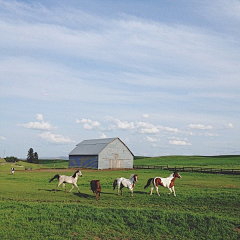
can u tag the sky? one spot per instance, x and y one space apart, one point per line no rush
163 76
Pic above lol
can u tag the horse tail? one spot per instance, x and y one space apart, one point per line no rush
148 182
56 176
114 184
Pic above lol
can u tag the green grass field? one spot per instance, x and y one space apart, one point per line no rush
228 162
206 206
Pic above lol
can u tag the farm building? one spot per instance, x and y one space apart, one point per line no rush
101 154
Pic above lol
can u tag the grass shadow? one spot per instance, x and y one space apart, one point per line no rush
83 195
140 192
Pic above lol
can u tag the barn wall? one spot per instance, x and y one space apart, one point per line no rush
115 155
83 161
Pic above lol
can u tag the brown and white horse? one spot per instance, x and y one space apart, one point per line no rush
123 182
164 182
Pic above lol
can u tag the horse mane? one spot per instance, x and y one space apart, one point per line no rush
75 174
171 175
132 176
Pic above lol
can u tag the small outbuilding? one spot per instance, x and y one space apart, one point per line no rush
102 153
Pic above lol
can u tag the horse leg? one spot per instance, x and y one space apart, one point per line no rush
121 190
173 191
151 190
71 188
157 191
131 193
170 189
57 186
64 187
75 184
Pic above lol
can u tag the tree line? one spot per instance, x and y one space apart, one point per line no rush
32 157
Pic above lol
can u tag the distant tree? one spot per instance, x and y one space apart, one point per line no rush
35 158
11 159
30 156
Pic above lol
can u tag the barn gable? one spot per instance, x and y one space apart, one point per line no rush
101 154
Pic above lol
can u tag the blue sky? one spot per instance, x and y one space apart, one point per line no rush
163 76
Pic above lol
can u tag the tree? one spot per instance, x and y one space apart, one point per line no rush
35 158
30 156
11 159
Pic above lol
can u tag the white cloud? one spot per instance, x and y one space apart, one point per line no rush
38 125
211 134
89 124
118 124
145 115
146 127
124 124
39 117
103 135
199 126
179 143
168 129
149 130
150 139
229 125
3 138
54 138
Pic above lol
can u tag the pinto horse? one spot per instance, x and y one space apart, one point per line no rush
96 188
165 182
123 182
62 179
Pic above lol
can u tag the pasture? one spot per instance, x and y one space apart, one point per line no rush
206 206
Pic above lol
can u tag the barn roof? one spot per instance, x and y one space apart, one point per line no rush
92 146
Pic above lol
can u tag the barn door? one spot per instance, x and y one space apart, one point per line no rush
115 163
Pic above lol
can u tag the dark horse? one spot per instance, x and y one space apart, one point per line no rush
96 188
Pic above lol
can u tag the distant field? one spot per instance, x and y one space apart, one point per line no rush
229 162
206 206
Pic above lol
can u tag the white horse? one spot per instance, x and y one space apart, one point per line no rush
165 182
62 179
123 182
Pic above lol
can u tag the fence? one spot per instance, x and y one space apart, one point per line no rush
191 169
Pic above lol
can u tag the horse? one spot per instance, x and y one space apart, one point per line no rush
12 170
165 182
96 188
62 179
123 182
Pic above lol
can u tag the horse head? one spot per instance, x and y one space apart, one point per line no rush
176 174
79 173
135 177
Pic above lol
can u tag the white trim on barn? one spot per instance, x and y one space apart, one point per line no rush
101 154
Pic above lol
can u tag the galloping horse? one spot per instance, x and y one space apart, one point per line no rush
62 179
165 182
123 182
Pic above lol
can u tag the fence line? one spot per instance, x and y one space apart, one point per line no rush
191 169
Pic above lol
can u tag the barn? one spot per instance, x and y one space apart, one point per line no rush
101 154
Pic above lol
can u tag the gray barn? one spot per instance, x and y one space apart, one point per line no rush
101 154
